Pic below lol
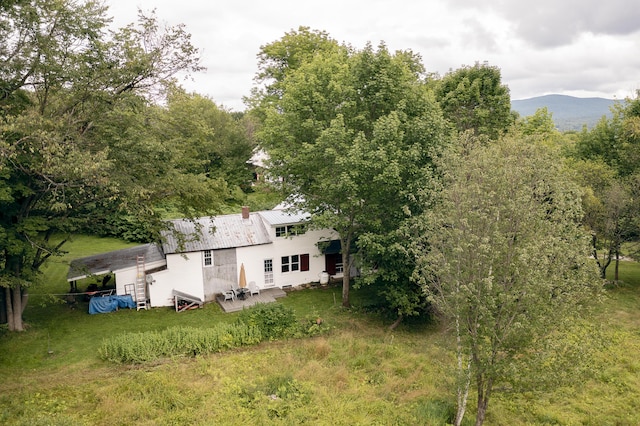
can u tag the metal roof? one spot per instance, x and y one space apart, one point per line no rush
229 231
113 261
283 217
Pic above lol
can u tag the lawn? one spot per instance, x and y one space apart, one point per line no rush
359 373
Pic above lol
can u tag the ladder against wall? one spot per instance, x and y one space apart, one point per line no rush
141 284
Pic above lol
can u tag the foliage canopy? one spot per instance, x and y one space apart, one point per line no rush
504 259
352 134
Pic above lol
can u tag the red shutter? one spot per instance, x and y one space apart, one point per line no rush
304 262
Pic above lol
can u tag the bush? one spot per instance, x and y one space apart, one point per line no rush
273 320
262 322
177 341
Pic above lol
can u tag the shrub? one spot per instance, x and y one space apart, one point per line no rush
262 322
177 341
276 396
273 320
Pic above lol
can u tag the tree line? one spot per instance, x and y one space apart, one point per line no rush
97 136
446 201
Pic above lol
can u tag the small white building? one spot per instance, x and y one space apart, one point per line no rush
203 258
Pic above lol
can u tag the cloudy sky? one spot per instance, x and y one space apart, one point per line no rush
581 48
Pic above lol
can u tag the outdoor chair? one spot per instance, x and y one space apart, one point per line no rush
229 295
253 288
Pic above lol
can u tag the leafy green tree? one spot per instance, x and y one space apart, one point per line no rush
351 135
504 260
540 123
474 98
279 58
606 160
219 143
74 139
608 212
615 140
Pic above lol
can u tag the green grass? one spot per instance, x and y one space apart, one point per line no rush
359 374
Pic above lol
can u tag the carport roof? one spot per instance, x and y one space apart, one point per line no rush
113 261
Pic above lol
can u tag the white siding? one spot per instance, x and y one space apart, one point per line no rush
253 258
184 273
128 276
188 275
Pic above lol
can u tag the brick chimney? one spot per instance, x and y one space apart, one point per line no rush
245 212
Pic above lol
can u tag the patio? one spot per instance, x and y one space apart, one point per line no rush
266 296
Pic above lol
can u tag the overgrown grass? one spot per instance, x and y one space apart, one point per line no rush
359 374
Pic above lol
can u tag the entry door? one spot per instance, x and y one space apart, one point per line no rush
331 262
268 273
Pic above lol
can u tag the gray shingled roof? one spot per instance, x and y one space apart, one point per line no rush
113 261
230 231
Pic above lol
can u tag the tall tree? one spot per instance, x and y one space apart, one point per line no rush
219 144
505 262
615 140
540 123
73 139
606 160
350 135
607 204
474 99
278 59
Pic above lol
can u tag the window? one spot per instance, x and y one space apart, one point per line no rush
289 230
296 229
208 259
296 262
268 271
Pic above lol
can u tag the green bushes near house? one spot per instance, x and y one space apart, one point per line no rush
177 341
262 322
273 320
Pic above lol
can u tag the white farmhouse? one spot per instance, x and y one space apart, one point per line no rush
275 248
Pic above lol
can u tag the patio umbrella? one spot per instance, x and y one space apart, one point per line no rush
242 283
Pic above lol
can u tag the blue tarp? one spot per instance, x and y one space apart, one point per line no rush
102 305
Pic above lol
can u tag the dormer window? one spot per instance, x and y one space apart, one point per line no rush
289 230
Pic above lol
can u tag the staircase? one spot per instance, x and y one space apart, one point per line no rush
141 284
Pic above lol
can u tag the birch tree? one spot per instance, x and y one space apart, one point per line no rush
505 261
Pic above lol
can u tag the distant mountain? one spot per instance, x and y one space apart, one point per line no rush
569 113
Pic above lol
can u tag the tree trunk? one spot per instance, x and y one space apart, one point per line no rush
484 391
463 389
17 309
16 300
604 264
3 307
615 276
9 307
397 322
462 397
482 411
345 291
346 268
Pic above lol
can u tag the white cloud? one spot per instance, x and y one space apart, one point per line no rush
578 47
